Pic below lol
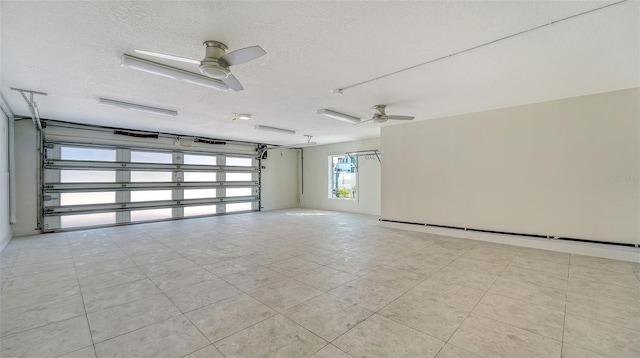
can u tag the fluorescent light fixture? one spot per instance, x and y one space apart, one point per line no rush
337 115
275 129
166 71
137 107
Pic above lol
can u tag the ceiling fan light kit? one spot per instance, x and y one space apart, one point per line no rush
339 116
166 71
274 129
137 107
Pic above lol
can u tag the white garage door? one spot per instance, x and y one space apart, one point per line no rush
98 179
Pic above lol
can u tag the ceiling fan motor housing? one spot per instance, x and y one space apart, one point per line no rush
210 66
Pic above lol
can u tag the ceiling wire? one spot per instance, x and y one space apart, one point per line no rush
341 90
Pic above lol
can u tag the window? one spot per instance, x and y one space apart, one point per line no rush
199 176
150 157
199 159
238 177
151 176
87 176
88 198
240 162
99 155
150 195
343 176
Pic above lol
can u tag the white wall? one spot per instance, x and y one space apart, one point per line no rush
26 141
316 179
279 179
5 227
567 168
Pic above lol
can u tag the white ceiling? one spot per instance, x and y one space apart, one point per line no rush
71 50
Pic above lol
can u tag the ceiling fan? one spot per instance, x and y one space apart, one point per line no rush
217 60
380 116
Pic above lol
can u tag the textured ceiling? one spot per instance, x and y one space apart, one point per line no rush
72 50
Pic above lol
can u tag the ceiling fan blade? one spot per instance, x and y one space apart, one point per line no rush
243 55
232 82
368 120
168 57
401 118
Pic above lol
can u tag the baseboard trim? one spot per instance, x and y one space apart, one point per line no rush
609 251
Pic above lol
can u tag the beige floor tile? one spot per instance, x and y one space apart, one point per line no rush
595 289
325 278
105 256
570 351
489 338
48 341
284 294
39 294
178 279
86 352
450 351
116 295
467 278
154 257
229 316
249 280
104 267
610 311
293 267
381 337
600 337
327 316
209 351
553 268
528 292
540 278
174 337
118 320
418 265
202 294
489 267
275 337
367 294
602 264
164 267
37 268
27 281
533 318
544 255
462 297
427 316
608 277
330 351
28 317
394 278
109 279
231 267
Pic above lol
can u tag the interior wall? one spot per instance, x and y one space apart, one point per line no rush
26 142
314 186
279 184
5 227
567 168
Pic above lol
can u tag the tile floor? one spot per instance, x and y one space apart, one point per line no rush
303 283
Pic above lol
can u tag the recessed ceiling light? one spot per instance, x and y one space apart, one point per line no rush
242 116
